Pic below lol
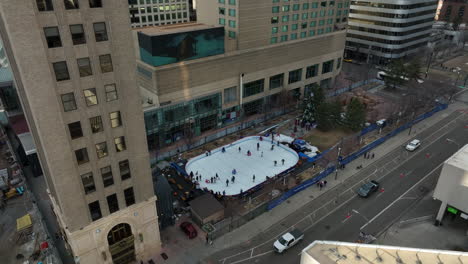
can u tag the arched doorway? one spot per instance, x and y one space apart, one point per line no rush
121 244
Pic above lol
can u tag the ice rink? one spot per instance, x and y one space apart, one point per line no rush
246 166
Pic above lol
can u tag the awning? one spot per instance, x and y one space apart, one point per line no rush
27 143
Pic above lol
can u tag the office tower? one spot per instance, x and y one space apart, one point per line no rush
242 61
381 30
75 78
453 11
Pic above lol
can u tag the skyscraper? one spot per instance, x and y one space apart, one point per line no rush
382 30
75 77
159 12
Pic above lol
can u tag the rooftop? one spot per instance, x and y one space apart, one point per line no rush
173 28
332 252
460 158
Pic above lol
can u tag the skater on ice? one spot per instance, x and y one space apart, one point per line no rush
272 147
261 138
249 153
253 178
282 160
275 162
261 155
258 146
233 179
234 171
239 149
227 183
223 150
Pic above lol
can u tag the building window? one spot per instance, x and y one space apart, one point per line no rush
276 81
115 119
230 95
303 34
219 1
326 83
107 178
96 124
95 210
222 11
232 23
253 88
232 34
293 36
284 38
124 167
274 30
68 102
338 63
81 156
100 31
75 130
129 196
71 4
312 71
101 150
232 12
274 40
77 34
305 6
274 20
112 203
119 143
84 67
296 7
295 17
61 71
285 18
95 3
323 4
90 96
275 9
232 2
222 21
106 63
285 8
52 36
111 92
285 28
44 5
295 76
88 182
327 66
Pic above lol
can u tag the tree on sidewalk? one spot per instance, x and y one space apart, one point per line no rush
323 117
355 115
396 74
311 103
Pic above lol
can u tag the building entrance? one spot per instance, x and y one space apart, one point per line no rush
121 244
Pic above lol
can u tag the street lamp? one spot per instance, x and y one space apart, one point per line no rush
453 141
337 163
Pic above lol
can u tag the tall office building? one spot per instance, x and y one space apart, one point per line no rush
242 59
381 30
75 77
453 11
158 12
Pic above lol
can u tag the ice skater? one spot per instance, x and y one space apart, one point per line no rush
239 149
217 177
282 161
373 155
249 153
233 178
209 152
234 171
272 147
227 183
206 154
223 150
275 162
253 178
258 146
211 180
261 138
261 155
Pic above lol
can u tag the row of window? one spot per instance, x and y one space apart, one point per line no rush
394 6
386 41
392 15
107 177
102 151
305 6
389 33
231 12
284 28
149 2
390 24
162 8
303 34
316 4
46 5
96 125
231 2
304 16
112 203
53 39
277 81
84 68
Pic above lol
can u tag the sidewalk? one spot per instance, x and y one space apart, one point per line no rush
262 223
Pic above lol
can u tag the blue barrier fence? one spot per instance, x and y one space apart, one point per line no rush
350 157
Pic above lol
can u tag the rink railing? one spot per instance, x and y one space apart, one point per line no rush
349 158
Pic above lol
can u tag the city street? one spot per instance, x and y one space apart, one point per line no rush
340 214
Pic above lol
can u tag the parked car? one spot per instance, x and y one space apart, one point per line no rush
413 145
366 189
189 229
288 240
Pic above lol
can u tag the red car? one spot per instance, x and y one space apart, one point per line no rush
189 229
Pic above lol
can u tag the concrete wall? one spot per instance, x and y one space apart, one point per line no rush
452 187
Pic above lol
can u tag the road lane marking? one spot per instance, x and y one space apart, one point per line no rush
252 257
405 193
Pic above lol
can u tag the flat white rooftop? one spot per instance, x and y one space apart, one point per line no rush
173 28
460 159
332 252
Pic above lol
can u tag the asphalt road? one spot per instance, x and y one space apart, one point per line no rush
340 214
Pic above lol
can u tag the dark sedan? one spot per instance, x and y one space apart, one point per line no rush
368 188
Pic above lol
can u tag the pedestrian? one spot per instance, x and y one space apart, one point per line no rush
275 162
272 147
191 174
207 239
277 143
239 149
313 165
282 161
325 183
321 185
261 155
227 183
224 192
258 146
373 155
253 178
233 179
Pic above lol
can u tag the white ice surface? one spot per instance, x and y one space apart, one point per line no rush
246 166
